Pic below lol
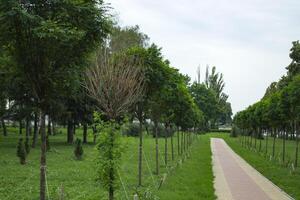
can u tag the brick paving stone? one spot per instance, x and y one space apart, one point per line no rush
237 180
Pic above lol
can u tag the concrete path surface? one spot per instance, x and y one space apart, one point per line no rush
235 179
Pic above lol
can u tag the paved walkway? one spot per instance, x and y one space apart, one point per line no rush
235 179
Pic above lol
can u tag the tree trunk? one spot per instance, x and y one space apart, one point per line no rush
20 127
184 138
70 134
111 169
35 130
251 137
283 145
260 138
43 158
94 134
181 146
266 142
248 139
255 138
74 128
166 146
147 129
178 140
85 128
27 128
111 194
49 131
54 132
297 145
4 127
274 140
172 147
140 150
156 148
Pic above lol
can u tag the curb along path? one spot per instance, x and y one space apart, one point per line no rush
235 179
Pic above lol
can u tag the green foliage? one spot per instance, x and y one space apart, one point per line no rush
28 32
206 100
78 151
234 131
109 149
161 130
132 129
280 105
21 151
294 67
124 38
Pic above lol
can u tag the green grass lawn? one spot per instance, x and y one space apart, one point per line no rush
190 180
290 149
284 177
194 179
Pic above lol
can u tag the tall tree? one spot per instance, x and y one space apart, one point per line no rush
29 30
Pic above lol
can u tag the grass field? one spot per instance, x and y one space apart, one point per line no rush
191 180
284 177
194 180
290 149
76 179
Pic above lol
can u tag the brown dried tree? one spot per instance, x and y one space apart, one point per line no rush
116 83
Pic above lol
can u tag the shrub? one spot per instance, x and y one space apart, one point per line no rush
132 129
21 151
220 130
234 131
78 152
161 131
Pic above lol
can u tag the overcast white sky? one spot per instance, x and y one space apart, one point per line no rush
247 40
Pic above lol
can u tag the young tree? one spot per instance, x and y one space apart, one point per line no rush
78 151
21 151
153 67
116 83
293 96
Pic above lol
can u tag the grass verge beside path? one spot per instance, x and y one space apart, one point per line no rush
76 179
283 177
194 179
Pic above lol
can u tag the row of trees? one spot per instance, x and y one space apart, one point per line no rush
68 63
276 115
211 99
137 83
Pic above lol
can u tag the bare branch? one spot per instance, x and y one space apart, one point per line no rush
115 82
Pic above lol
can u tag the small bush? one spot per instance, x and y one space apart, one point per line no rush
220 130
234 132
161 131
21 151
78 152
132 129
